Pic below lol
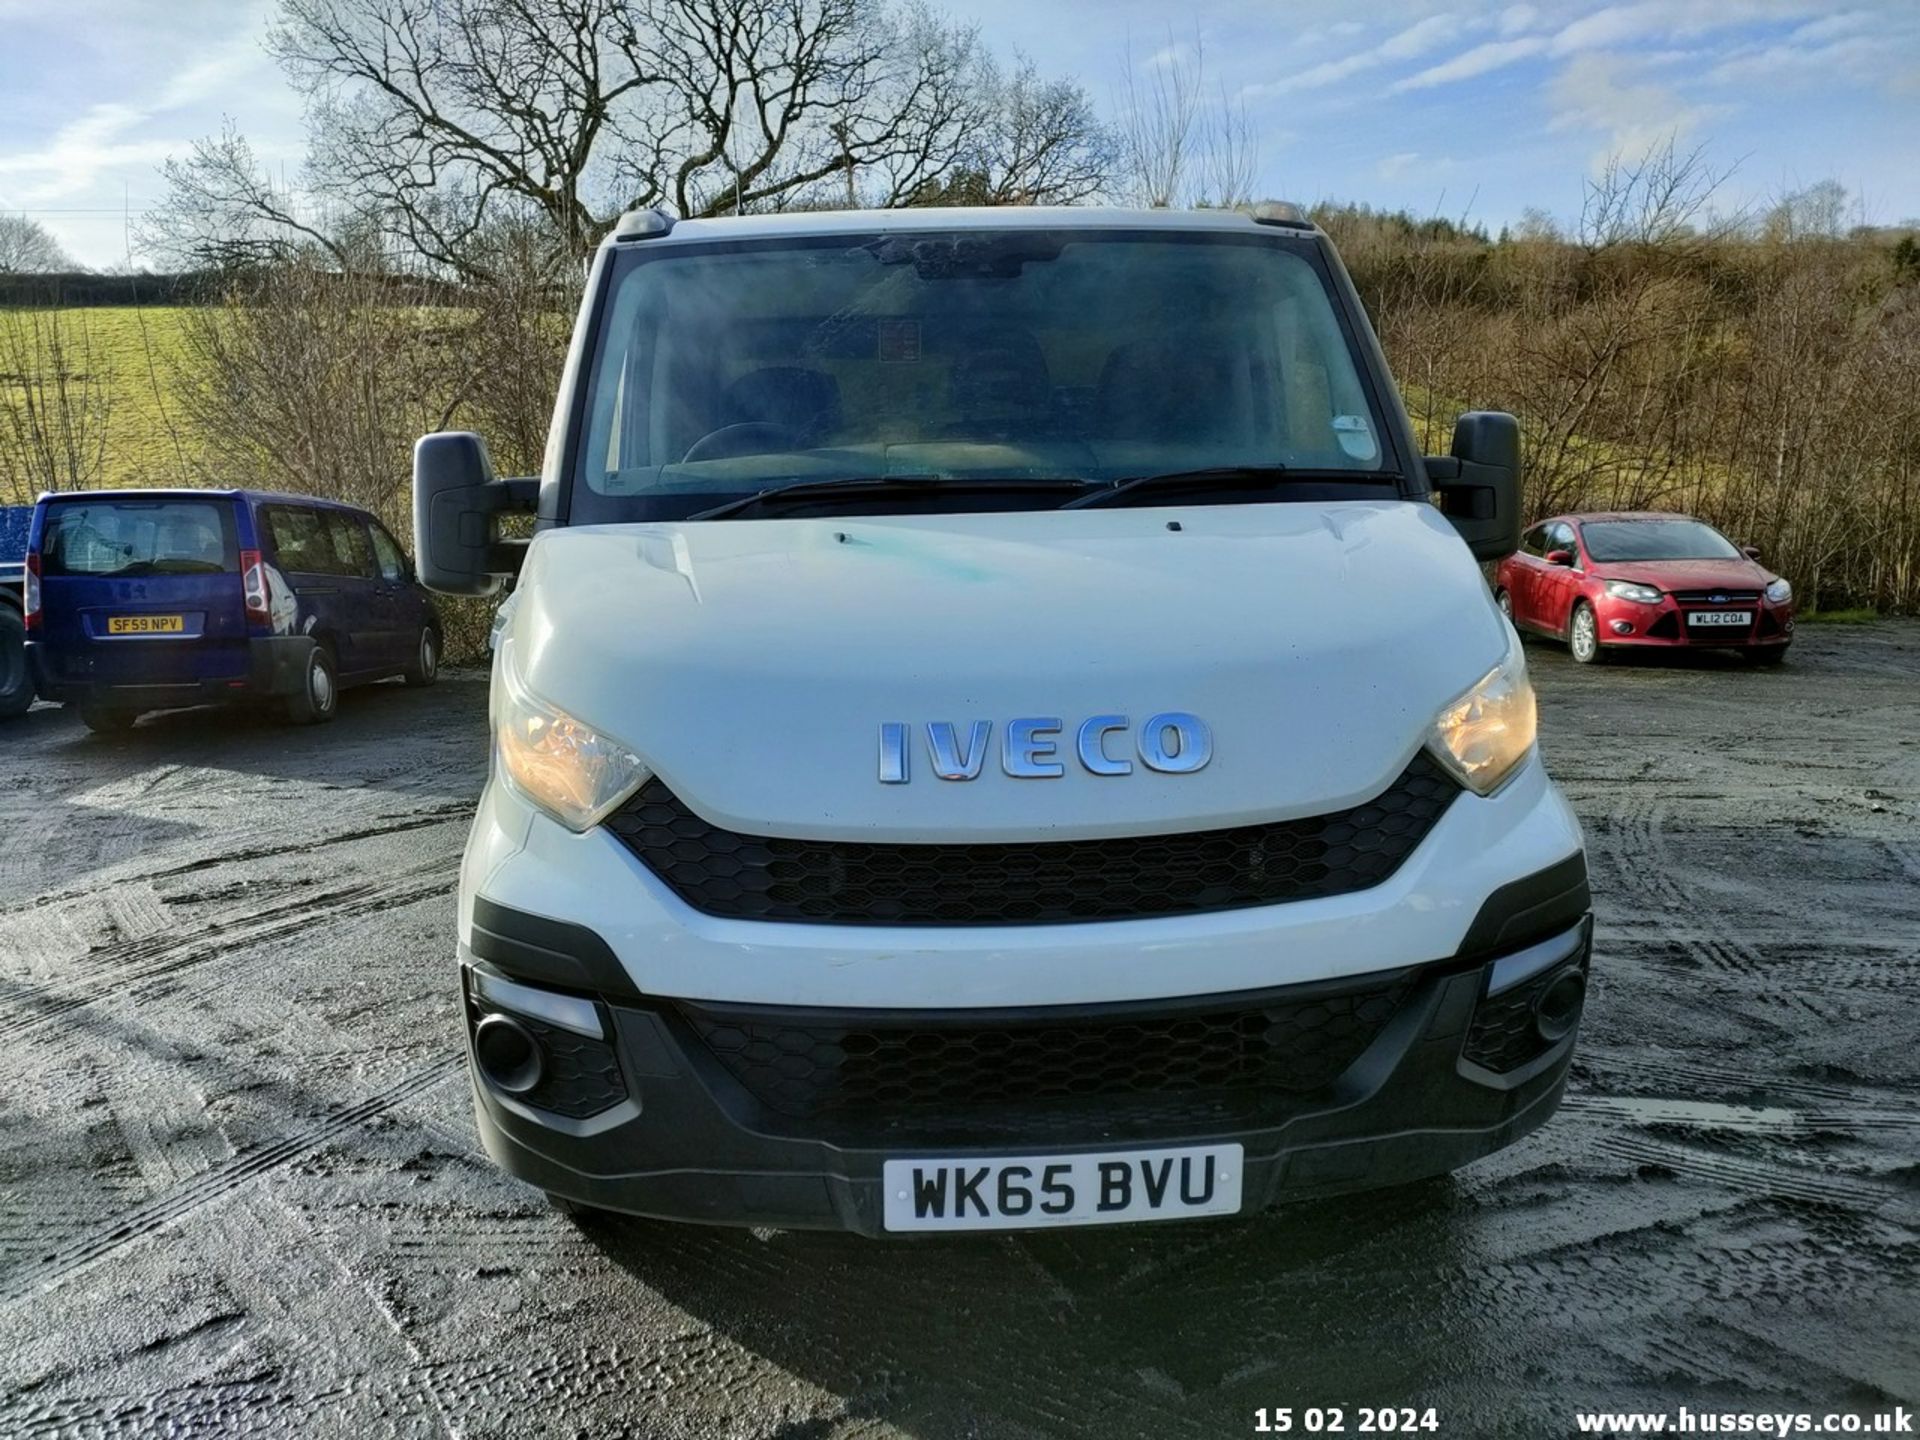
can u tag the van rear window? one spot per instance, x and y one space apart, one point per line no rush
139 537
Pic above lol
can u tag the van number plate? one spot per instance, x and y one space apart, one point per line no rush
1043 1190
146 624
1719 617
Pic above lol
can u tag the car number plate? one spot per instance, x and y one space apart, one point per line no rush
1719 617
1039 1190
146 624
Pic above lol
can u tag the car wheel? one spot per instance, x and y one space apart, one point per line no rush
16 680
425 665
319 695
1583 635
107 719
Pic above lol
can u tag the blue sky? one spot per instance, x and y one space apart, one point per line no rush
1482 107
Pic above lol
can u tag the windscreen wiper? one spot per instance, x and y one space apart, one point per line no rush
884 487
1224 477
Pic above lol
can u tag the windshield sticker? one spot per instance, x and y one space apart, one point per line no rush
1355 436
899 342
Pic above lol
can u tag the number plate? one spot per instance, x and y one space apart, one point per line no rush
1719 617
146 624
1039 1190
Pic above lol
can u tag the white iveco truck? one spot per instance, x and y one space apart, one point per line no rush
998 725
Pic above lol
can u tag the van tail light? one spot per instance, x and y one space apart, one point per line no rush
253 581
32 591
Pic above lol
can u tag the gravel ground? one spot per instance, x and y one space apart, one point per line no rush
242 1193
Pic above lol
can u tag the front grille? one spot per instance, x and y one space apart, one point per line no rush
1666 626
1125 1071
758 877
1716 597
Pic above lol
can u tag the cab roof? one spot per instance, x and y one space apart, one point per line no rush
640 226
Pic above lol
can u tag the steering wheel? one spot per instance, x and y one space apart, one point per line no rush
750 437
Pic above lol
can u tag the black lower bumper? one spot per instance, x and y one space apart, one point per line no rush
274 665
730 1115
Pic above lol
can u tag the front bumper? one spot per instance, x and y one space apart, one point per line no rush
776 1116
268 665
1665 625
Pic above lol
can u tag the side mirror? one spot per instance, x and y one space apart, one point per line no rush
456 499
1478 485
1752 552
1559 557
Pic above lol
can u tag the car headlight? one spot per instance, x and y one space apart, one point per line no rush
1484 735
1779 592
563 765
1627 590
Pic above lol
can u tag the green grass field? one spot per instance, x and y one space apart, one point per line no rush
135 352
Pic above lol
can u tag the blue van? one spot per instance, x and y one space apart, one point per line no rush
143 600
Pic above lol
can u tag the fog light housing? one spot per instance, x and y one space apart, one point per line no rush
507 1054
1531 1003
543 1050
1623 627
1557 1010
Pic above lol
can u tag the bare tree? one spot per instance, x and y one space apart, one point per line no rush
309 378
26 247
223 210
1025 140
1662 197
430 119
1177 147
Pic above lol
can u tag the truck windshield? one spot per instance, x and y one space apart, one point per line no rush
721 371
139 537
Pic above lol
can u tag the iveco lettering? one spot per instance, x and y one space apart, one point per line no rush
1173 744
998 725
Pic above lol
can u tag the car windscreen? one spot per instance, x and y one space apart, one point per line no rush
131 538
723 370
1624 540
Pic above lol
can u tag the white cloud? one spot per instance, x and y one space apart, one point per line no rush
1494 55
1407 44
1851 48
1598 93
1829 26
1517 18
216 73
1858 58
1614 25
1393 166
78 152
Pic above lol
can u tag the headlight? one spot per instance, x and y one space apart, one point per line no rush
1627 590
567 768
1484 735
1779 592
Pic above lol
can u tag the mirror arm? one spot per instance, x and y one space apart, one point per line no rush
512 495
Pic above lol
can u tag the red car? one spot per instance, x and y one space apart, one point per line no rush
1640 578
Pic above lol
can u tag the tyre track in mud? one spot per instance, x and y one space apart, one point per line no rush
457 813
122 968
1819 979
131 1226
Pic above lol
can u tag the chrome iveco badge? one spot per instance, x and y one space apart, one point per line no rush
1174 743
